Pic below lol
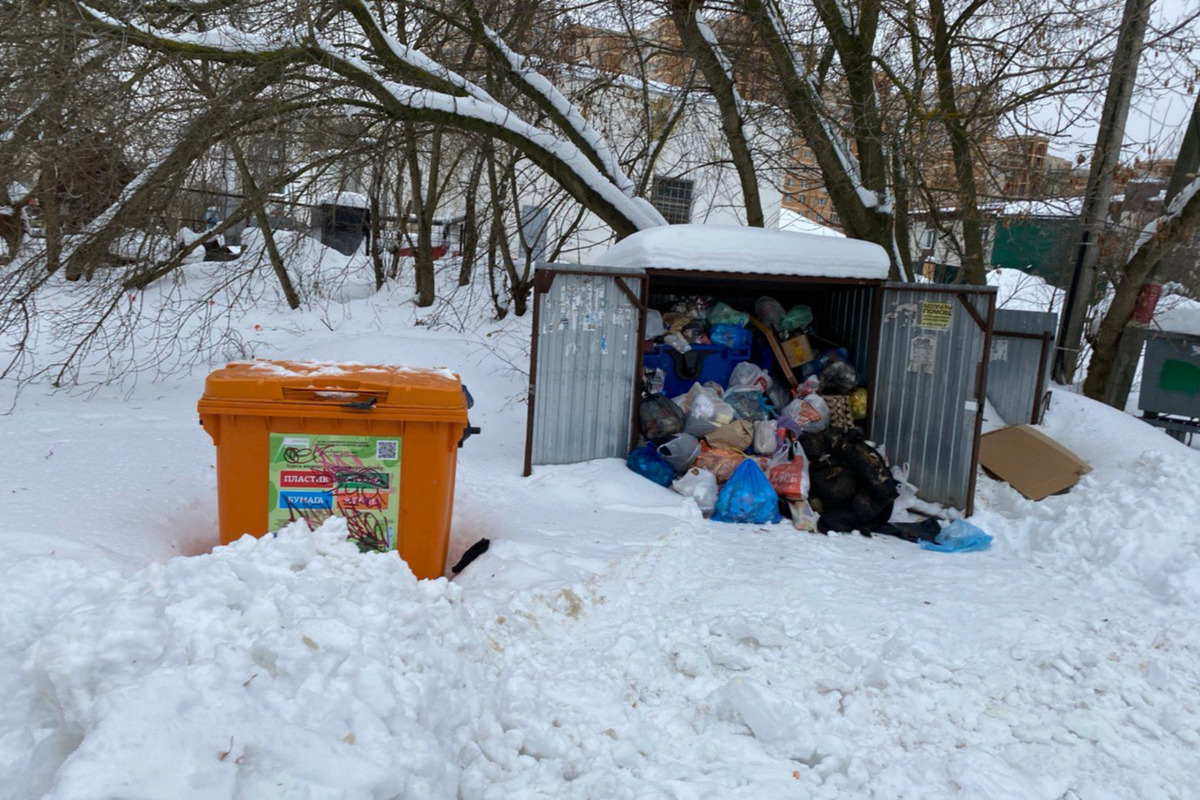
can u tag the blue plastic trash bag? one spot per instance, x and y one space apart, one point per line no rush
646 461
747 497
732 336
959 536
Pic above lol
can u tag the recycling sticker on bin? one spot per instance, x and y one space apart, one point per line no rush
315 476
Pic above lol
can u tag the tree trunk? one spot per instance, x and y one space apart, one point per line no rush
1105 158
1169 234
470 234
257 198
960 149
862 216
717 71
423 273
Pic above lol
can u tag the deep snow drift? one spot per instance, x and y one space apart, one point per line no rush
611 644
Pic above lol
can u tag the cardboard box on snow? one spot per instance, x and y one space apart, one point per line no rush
1030 461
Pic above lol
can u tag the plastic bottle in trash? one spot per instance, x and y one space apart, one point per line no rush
677 341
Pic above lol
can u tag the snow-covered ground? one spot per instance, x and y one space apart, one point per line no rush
611 643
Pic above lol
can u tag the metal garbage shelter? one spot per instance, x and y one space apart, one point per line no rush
921 349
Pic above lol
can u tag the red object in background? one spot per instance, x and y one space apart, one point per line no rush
438 252
1147 301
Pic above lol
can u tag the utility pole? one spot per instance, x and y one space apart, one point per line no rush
1105 159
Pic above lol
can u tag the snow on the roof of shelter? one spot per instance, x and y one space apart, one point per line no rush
344 199
798 223
730 248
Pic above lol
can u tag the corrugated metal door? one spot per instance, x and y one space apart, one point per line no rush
588 328
929 385
1019 366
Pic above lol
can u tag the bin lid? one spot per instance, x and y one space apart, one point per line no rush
330 383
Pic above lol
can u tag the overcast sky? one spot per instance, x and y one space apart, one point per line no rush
1159 112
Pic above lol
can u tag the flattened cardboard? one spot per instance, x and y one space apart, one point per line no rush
1030 461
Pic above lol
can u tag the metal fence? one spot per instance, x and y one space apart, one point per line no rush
1019 369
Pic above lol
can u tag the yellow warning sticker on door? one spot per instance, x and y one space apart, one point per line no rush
936 315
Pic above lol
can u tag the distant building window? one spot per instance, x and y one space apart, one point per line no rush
834 218
788 183
673 199
808 154
927 239
820 201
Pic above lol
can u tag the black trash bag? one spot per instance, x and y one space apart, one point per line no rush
659 417
854 518
695 331
838 377
868 464
867 508
833 485
816 444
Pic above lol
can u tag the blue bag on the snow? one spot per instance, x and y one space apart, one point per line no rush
646 461
959 536
747 497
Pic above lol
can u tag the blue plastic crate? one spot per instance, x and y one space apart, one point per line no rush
703 363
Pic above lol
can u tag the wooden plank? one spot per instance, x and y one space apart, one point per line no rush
773 343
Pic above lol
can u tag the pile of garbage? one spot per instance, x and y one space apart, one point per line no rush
756 417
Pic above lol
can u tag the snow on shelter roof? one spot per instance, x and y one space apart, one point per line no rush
753 251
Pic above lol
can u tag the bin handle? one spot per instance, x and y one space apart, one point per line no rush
346 397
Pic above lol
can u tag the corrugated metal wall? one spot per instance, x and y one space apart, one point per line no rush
931 351
1015 385
850 314
586 350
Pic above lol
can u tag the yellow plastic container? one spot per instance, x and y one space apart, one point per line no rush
376 445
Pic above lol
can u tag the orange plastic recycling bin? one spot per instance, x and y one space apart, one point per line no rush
376 445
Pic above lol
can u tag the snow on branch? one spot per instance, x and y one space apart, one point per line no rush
439 100
566 111
710 38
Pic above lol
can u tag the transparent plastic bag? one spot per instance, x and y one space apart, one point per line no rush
748 375
659 417
722 313
811 412
706 411
769 311
797 318
748 404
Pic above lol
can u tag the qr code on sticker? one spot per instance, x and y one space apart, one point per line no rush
387 449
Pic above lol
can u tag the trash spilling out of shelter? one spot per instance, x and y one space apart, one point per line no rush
756 415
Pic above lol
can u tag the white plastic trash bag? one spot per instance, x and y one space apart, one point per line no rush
766 438
654 324
701 486
810 412
749 376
